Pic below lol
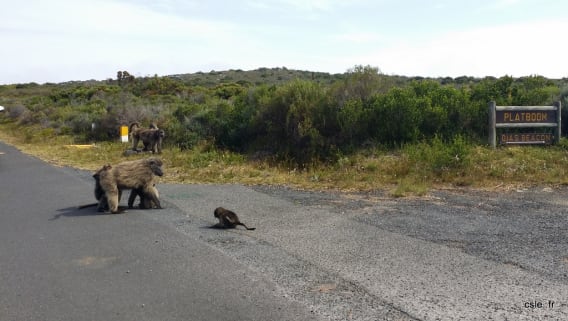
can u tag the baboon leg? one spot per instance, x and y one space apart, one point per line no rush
146 201
151 193
158 146
103 205
134 143
134 129
133 193
150 204
112 198
155 143
159 140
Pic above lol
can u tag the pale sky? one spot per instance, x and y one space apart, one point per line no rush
64 40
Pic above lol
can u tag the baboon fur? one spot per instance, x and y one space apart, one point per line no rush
151 137
100 196
137 174
102 204
145 202
227 219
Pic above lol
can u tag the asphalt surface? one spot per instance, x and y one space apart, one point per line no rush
60 263
453 255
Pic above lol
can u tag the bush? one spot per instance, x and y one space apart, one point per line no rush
300 121
440 156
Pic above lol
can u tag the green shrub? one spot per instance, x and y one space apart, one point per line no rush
440 156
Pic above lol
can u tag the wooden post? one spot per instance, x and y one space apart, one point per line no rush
559 119
492 130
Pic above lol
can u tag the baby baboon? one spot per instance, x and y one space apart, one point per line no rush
151 137
99 192
145 202
136 174
227 219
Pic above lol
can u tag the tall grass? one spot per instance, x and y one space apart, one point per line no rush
412 169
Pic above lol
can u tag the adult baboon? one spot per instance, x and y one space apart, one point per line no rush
152 140
145 202
227 219
134 130
136 174
151 137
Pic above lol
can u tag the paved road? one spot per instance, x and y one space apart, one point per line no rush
59 263
454 255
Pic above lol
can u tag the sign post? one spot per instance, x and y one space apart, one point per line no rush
524 117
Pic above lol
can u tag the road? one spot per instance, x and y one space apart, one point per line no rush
60 263
453 255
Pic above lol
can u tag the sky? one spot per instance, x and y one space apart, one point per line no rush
67 40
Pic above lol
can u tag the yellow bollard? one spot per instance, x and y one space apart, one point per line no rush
124 134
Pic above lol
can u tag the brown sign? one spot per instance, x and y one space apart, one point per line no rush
525 116
527 138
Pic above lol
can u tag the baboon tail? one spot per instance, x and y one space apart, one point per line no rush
137 124
248 228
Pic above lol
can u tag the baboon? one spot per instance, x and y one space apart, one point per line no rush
134 130
99 192
145 202
136 174
228 219
151 137
152 140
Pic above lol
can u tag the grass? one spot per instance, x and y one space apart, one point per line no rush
411 170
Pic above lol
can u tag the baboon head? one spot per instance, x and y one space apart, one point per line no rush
156 166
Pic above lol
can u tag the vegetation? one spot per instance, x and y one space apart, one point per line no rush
357 130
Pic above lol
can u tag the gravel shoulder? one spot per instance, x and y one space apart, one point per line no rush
460 254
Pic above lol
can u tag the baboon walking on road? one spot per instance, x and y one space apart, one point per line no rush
145 201
227 219
136 174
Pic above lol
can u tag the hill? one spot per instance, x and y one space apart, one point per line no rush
271 76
